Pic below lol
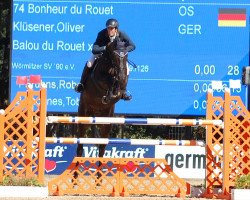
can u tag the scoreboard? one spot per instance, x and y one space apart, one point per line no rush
181 47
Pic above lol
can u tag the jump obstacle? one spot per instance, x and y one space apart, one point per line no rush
25 119
133 121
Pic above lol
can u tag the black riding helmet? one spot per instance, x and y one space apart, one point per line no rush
112 23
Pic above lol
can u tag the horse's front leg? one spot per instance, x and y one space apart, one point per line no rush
81 133
104 133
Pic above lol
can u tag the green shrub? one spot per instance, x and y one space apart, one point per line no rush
243 182
20 181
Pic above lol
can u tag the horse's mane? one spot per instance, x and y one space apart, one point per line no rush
116 45
120 46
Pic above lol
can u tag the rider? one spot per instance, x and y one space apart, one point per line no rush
104 37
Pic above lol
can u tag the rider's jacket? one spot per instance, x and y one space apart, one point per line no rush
103 39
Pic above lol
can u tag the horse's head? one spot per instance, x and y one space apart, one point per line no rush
111 71
118 56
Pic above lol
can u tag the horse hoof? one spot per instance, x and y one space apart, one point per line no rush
79 88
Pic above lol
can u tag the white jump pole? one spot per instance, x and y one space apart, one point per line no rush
133 121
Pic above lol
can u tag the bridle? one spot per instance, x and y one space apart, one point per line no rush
115 72
121 54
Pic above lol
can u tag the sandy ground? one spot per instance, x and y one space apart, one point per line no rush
101 198
104 198
196 183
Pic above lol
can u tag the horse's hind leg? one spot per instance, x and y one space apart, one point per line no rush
80 133
104 133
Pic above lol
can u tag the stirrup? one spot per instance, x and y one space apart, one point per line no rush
79 88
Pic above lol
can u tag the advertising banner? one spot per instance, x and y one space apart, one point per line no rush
59 156
186 161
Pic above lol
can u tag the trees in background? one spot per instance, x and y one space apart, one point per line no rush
5 11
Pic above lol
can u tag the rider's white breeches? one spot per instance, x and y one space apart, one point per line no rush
91 61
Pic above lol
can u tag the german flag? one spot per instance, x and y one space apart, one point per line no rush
232 17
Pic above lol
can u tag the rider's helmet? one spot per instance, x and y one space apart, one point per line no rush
112 23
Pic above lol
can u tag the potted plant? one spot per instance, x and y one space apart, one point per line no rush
242 188
12 186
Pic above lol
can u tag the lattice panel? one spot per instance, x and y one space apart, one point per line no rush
152 177
222 171
114 176
20 127
238 143
215 110
15 134
87 176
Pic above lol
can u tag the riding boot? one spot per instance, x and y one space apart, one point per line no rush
80 86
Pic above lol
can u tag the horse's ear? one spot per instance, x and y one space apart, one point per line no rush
120 45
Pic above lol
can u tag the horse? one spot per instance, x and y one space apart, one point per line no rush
103 89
